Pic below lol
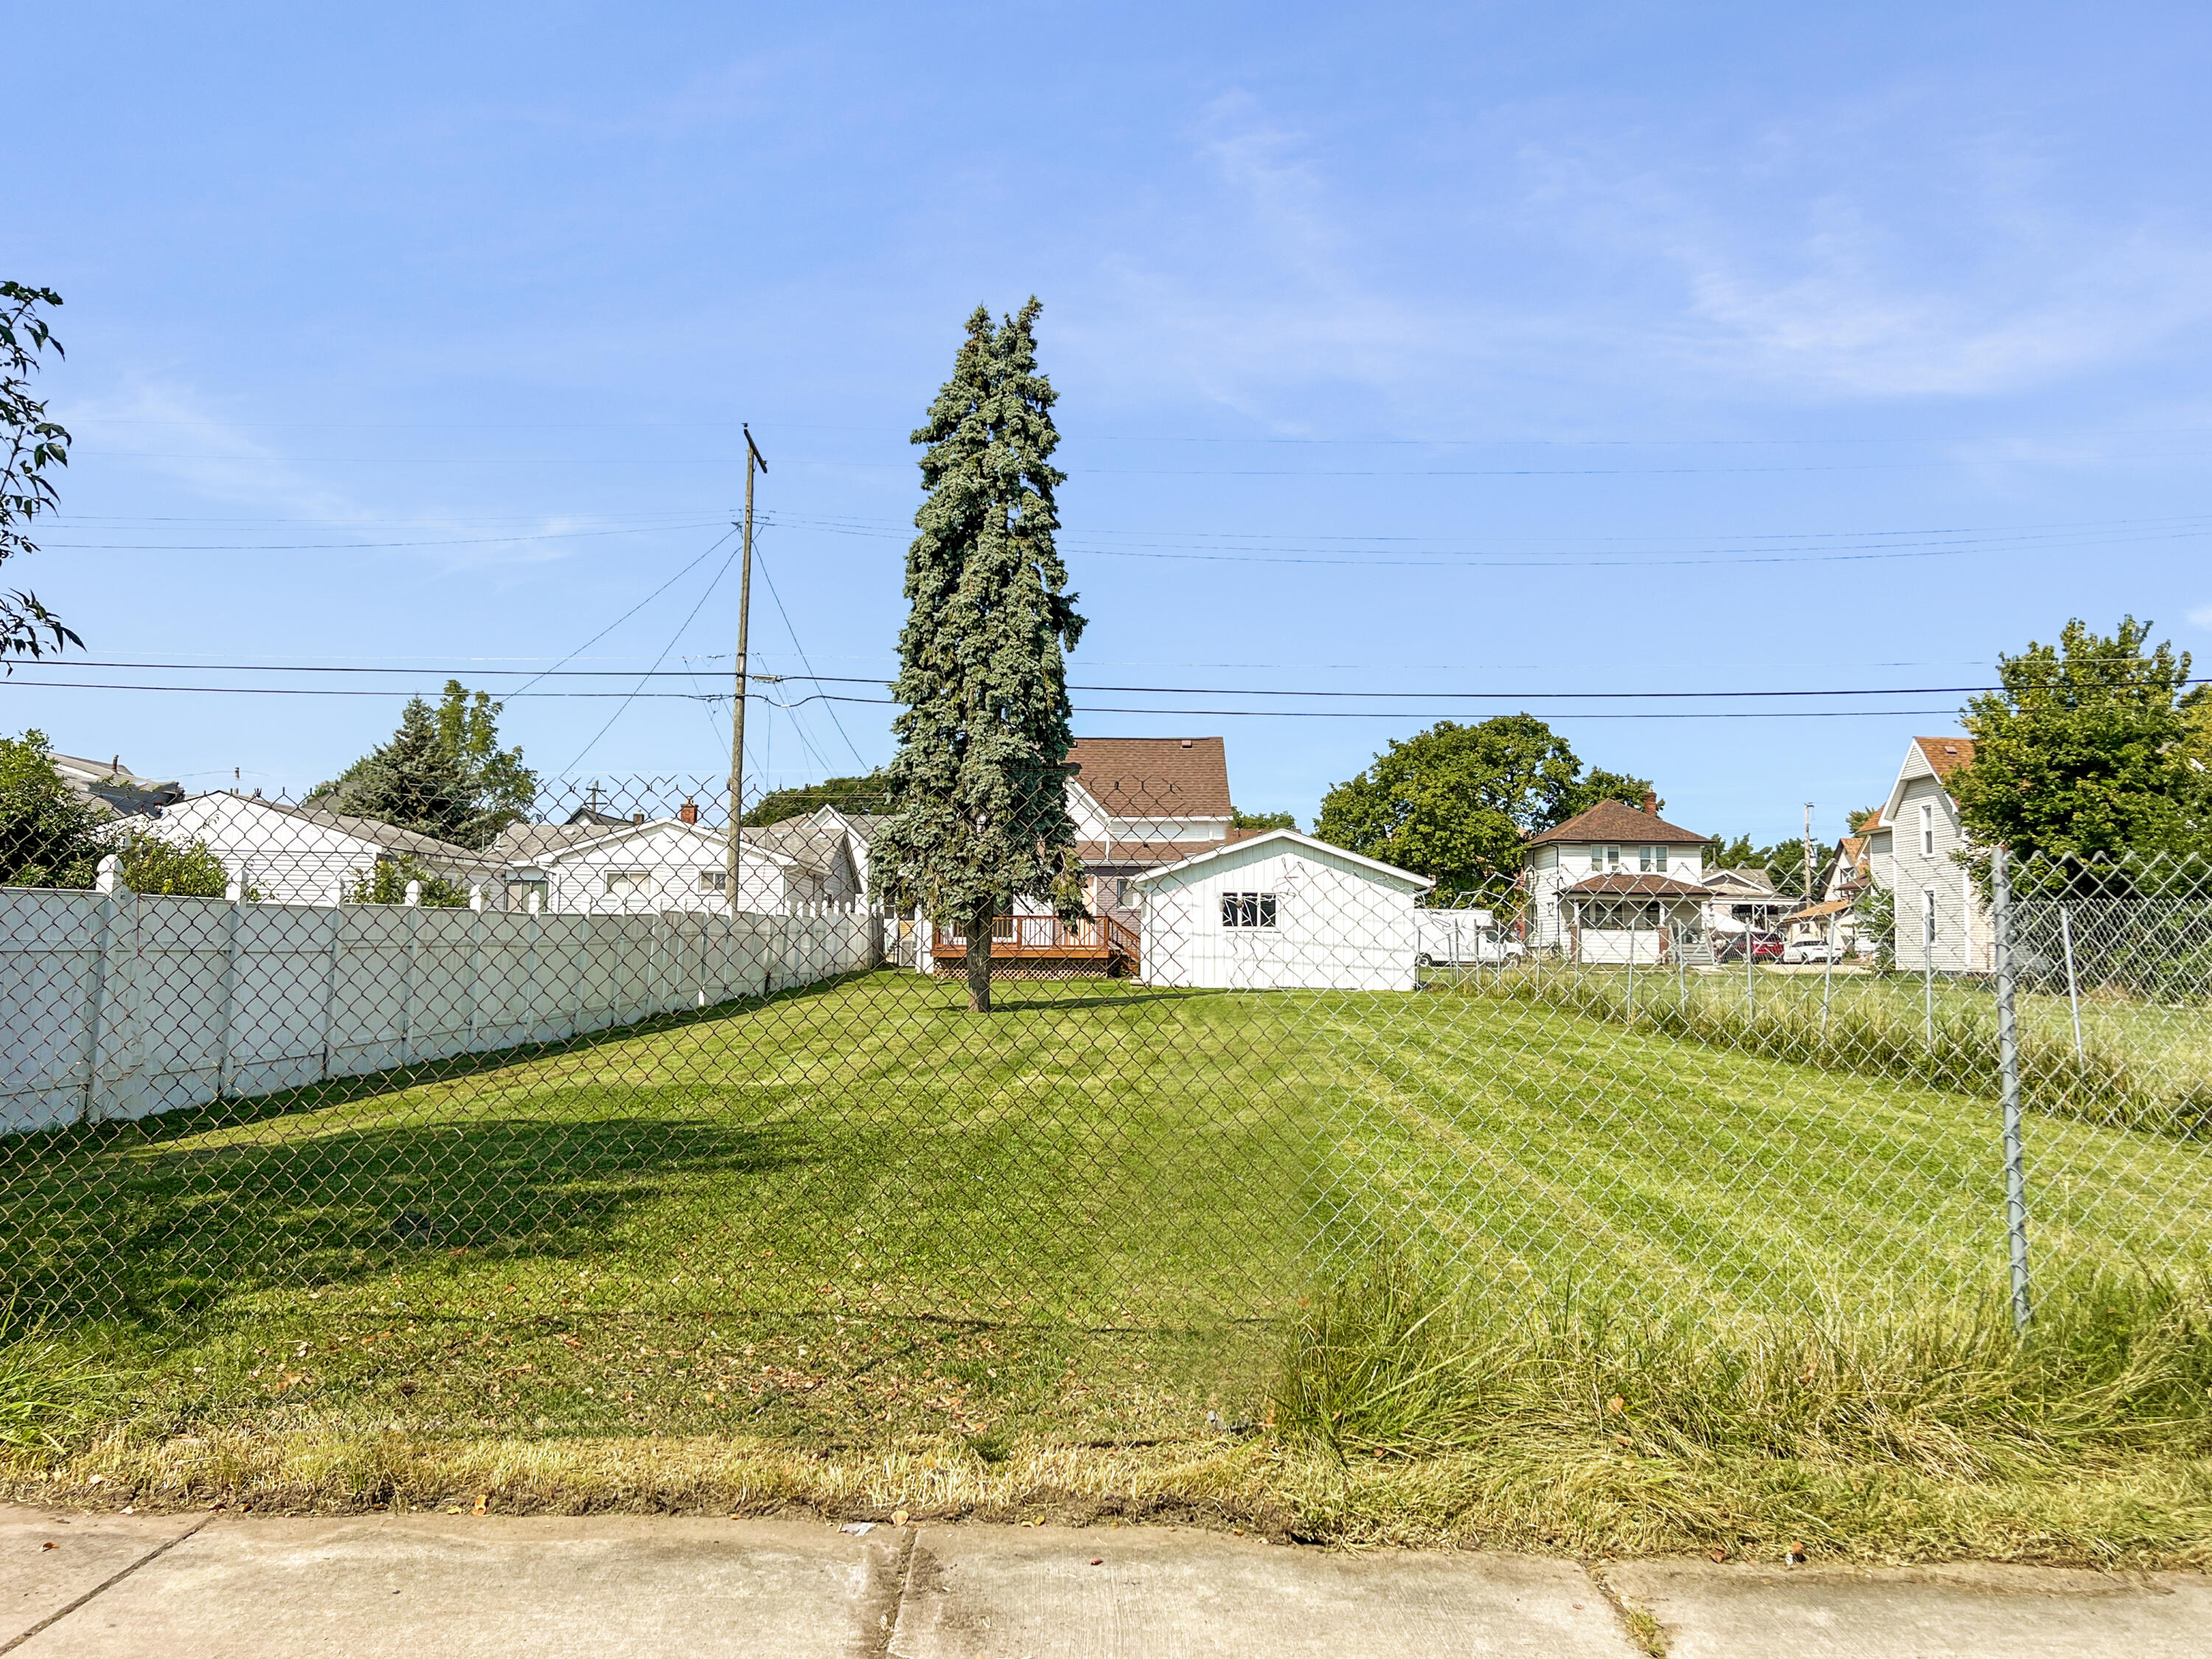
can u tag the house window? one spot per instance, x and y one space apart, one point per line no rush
1927 829
629 884
714 881
1928 915
1248 909
1651 858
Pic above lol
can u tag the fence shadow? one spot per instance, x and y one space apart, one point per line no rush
175 1227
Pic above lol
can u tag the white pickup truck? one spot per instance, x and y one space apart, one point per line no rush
1461 938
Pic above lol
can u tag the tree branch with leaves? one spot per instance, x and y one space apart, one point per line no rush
36 448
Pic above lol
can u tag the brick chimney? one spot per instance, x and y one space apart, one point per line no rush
637 817
1650 804
689 812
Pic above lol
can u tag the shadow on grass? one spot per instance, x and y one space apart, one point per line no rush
77 1139
162 1232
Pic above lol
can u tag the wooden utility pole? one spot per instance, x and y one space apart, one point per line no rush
738 707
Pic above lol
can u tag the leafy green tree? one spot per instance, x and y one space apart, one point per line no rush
1737 855
441 773
36 447
1457 803
49 835
386 882
502 788
978 787
1263 820
148 864
2084 750
869 794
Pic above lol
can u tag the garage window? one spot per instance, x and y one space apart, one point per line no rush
1248 909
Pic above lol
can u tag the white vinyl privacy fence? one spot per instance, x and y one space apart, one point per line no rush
118 1005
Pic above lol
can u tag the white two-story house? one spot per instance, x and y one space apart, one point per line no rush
1942 926
1617 884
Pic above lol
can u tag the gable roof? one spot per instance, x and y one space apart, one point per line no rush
1756 882
1154 777
597 837
390 836
1253 843
1617 820
114 785
1936 758
1945 755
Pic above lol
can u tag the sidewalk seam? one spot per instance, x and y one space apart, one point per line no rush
1636 1620
880 1646
104 1586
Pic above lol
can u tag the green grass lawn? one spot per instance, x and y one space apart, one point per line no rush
858 1217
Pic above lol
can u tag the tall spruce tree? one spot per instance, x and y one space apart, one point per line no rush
978 788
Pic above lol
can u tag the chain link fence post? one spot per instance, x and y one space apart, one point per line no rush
2008 1086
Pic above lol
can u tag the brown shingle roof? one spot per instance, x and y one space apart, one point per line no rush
1617 820
1947 755
1146 852
1639 887
1163 777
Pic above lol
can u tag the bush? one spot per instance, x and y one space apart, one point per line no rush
386 884
151 865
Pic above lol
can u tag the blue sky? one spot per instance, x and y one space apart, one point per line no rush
1502 350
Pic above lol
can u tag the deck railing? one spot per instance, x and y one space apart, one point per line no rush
1045 938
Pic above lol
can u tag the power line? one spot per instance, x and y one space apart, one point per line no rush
1156 691
632 611
356 547
810 674
1083 708
649 673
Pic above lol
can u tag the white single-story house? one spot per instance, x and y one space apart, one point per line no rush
663 865
1279 911
1616 884
1942 925
288 854
1744 901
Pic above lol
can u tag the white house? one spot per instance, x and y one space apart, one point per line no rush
663 865
1279 911
1616 884
1140 804
1941 922
304 856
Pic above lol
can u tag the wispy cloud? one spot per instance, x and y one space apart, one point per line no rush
167 432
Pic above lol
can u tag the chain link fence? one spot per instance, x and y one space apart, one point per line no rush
628 1057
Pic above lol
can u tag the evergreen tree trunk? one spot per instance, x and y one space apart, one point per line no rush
978 790
979 960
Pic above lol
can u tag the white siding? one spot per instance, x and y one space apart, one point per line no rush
1338 925
1961 941
284 860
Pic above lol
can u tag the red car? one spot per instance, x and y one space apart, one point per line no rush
1764 947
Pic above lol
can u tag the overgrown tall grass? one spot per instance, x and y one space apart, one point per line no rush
1876 1035
43 1389
1389 1364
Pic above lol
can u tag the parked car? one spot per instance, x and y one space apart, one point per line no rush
1811 949
1764 947
1462 939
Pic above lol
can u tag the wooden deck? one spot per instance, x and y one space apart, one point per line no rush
1105 945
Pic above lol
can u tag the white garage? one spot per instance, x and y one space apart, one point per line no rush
1279 911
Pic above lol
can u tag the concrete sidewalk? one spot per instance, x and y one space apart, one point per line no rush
180 1587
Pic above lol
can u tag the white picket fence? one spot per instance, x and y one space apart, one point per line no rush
119 1005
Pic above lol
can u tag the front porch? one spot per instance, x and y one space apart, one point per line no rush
1045 947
